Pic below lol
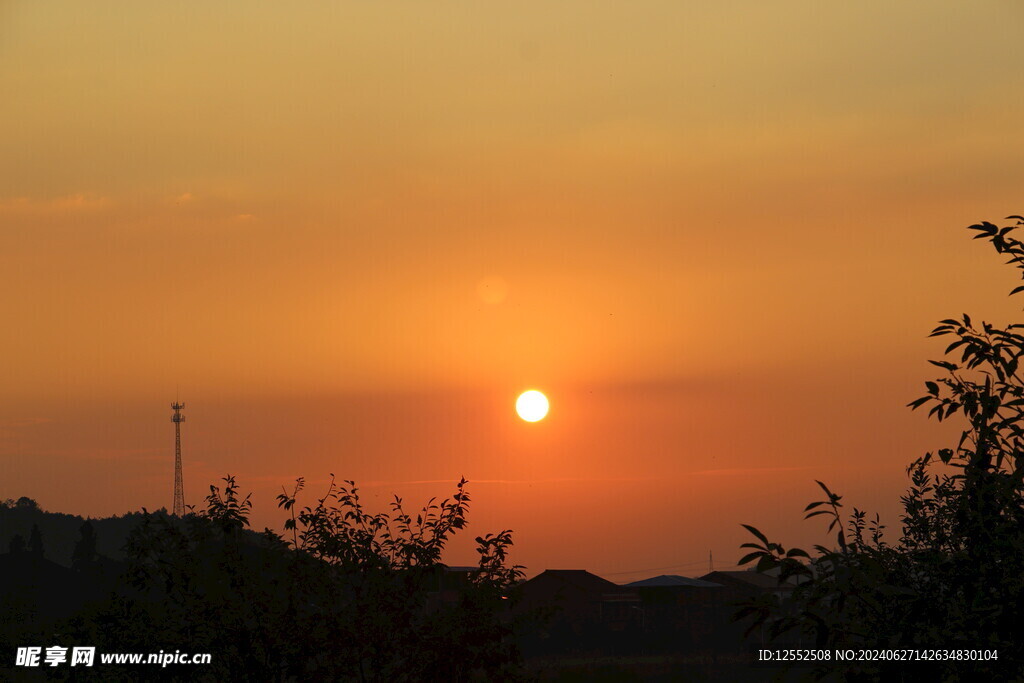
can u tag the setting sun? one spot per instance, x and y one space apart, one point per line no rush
344 234
532 406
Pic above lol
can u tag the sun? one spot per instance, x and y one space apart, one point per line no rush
532 405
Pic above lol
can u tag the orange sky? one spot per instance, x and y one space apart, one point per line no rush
350 233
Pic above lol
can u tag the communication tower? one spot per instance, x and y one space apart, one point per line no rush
179 489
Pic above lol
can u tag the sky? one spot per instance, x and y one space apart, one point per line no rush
347 235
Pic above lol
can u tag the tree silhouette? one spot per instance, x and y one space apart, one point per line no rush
955 578
35 542
85 550
16 545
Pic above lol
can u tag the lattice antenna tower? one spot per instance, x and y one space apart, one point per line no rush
179 489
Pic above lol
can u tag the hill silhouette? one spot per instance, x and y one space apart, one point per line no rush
60 532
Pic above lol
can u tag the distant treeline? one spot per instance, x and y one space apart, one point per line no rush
60 532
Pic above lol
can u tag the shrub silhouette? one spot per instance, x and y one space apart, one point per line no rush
955 578
347 595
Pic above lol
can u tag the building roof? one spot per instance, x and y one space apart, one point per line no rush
751 578
578 578
672 580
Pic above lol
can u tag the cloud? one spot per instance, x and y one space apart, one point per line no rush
86 453
749 470
582 480
24 421
72 203
10 428
208 207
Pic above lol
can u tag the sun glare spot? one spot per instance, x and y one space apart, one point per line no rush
492 290
532 406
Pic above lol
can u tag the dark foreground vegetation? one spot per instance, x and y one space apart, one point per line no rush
954 580
344 595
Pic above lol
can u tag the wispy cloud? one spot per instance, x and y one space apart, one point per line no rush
558 480
30 206
11 428
749 470
133 454
582 480
23 421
